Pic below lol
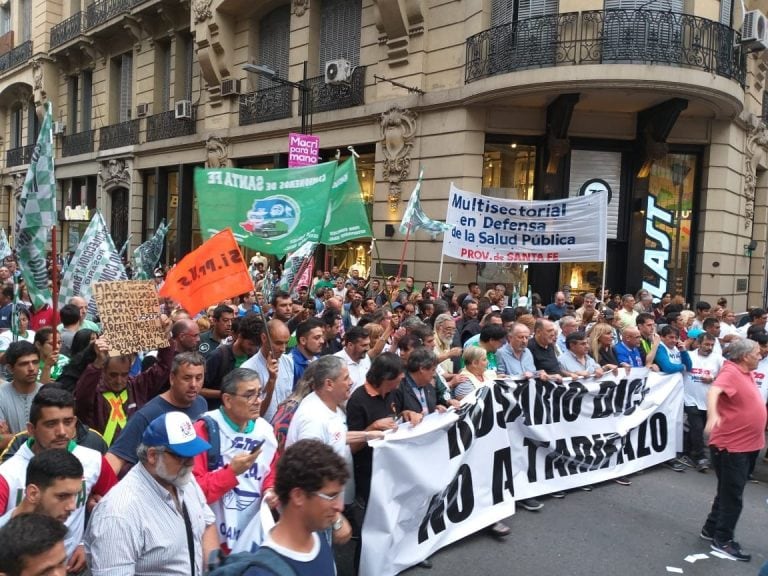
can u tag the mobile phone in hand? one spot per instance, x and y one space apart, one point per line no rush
257 446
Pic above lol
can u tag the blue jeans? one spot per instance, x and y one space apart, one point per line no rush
763 570
732 469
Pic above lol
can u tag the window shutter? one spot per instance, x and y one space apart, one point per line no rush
74 98
274 43
502 12
726 12
340 22
87 100
126 87
672 5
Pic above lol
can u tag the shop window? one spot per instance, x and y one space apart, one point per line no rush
668 218
508 172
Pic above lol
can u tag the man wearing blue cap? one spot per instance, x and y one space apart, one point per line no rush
157 521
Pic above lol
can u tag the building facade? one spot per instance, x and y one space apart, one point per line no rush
660 102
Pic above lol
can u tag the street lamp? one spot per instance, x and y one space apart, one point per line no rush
302 87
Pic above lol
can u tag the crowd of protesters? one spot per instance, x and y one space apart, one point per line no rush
154 461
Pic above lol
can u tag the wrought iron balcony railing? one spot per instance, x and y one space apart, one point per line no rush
19 55
327 97
104 10
265 105
19 156
607 37
118 135
79 143
166 125
70 28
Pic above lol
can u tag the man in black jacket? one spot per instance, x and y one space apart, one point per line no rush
416 391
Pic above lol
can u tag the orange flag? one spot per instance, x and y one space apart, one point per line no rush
212 273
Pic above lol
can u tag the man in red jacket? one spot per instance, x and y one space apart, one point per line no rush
106 396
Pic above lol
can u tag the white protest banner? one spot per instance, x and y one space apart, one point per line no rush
581 433
487 229
434 485
430 489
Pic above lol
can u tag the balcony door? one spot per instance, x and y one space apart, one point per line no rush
642 32
525 34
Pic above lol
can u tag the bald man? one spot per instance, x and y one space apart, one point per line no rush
185 334
628 350
274 367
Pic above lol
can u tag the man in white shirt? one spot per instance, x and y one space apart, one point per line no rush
156 520
355 355
274 367
705 365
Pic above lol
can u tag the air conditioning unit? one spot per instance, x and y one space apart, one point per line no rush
337 71
231 87
59 128
142 109
754 32
184 110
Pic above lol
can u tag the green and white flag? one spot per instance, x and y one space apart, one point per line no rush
293 264
37 214
5 248
347 217
271 211
95 260
414 217
146 256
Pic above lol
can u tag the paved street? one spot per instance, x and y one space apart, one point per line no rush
616 530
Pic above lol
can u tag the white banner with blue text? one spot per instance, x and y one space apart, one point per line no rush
488 229
459 472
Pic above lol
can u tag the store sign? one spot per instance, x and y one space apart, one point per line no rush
303 150
77 213
656 259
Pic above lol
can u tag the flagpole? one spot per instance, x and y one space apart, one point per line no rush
402 256
54 287
440 273
381 269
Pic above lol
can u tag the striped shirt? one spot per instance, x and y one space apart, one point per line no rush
137 529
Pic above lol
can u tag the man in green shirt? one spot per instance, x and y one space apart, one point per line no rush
325 282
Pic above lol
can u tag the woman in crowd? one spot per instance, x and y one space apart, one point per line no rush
476 371
428 292
352 316
601 345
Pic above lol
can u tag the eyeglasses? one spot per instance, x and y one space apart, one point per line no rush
251 397
328 497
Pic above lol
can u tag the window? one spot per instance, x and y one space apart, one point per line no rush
33 123
16 119
726 12
74 101
87 100
184 56
503 11
5 18
340 22
765 108
162 96
121 73
274 37
25 32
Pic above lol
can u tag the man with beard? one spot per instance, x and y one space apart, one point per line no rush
156 520
52 426
53 483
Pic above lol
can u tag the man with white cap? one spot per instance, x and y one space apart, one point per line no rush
155 521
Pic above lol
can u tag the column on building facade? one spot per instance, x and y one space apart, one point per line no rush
757 264
723 231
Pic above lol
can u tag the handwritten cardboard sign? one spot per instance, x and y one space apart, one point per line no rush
130 316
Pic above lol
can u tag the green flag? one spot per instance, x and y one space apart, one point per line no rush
5 248
146 256
37 214
95 260
346 218
272 211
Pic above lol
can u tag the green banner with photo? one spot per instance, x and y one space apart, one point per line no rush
347 217
272 211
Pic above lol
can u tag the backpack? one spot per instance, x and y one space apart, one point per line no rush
214 439
238 564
